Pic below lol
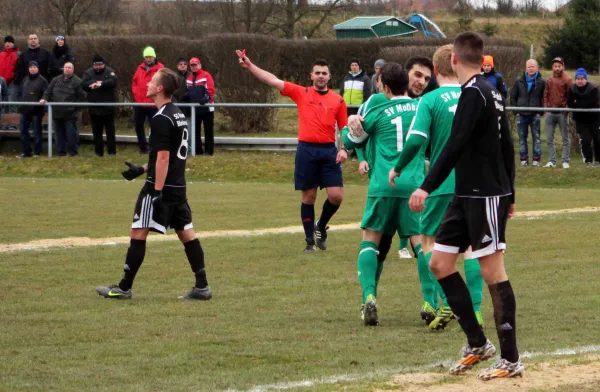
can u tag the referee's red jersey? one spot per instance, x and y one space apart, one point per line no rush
317 113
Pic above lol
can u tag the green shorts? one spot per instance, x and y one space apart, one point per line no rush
433 214
390 214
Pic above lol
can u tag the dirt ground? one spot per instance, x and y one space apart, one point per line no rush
555 375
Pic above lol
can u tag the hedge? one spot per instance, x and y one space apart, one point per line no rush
288 59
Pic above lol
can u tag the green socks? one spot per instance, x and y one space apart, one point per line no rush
474 282
367 268
404 242
426 278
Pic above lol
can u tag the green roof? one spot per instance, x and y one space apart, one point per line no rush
366 22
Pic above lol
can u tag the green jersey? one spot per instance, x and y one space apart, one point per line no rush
433 121
387 122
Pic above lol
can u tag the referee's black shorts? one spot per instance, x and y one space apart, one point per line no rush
316 166
170 216
476 222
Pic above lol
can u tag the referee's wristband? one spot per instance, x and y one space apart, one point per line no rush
344 149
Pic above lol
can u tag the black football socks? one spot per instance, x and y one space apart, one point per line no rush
459 300
133 262
195 256
503 299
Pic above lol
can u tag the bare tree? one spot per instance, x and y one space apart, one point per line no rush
246 16
68 13
290 15
15 16
505 7
532 6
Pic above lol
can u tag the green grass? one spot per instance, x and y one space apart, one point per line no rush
236 166
98 208
277 315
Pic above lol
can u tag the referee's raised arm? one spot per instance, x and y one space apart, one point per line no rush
262 75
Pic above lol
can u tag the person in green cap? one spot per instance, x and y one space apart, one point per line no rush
139 89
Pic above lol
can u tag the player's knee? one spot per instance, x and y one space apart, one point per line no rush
336 198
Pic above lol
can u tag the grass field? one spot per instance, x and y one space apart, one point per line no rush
278 317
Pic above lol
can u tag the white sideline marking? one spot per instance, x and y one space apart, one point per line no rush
79 242
411 369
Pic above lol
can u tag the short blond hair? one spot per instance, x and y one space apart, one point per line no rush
442 60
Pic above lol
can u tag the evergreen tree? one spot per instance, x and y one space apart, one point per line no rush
578 39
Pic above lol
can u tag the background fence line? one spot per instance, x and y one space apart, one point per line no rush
287 144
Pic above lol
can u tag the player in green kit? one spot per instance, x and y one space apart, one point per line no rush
433 124
387 118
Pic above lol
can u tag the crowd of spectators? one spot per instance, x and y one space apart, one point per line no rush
37 75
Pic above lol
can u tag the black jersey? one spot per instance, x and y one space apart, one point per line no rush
480 146
169 131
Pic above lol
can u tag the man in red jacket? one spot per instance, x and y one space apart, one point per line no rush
8 64
139 88
201 89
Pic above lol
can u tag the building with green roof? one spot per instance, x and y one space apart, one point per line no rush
374 27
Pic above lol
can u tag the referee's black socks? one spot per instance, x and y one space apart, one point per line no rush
133 261
307 214
505 307
195 256
328 210
459 300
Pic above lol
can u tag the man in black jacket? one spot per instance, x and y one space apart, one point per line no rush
33 87
180 94
528 91
584 95
100 83
34 53
65 88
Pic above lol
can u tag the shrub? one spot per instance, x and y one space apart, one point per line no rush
288 59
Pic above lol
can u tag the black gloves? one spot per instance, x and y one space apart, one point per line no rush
133 171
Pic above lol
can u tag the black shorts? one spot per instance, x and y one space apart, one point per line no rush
174 216
316 166
476 222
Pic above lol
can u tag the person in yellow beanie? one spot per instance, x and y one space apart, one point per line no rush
495 78
139 89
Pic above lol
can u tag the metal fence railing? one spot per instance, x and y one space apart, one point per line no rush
193 107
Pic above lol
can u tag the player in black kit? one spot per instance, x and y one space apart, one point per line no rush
481 150
162 203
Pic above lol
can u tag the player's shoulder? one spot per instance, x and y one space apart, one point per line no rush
478 86
374 101
168 114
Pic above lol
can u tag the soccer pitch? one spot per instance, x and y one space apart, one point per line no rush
279 319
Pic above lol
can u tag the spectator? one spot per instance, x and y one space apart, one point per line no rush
33 87
495 78
139 88
61 53
555 96
100 83
201 89
3 94
65 88
35 53
584 95
374 86
528 91
8 65
183 72
355 87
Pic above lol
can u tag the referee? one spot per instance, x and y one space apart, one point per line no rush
481 149
317 158
162 202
